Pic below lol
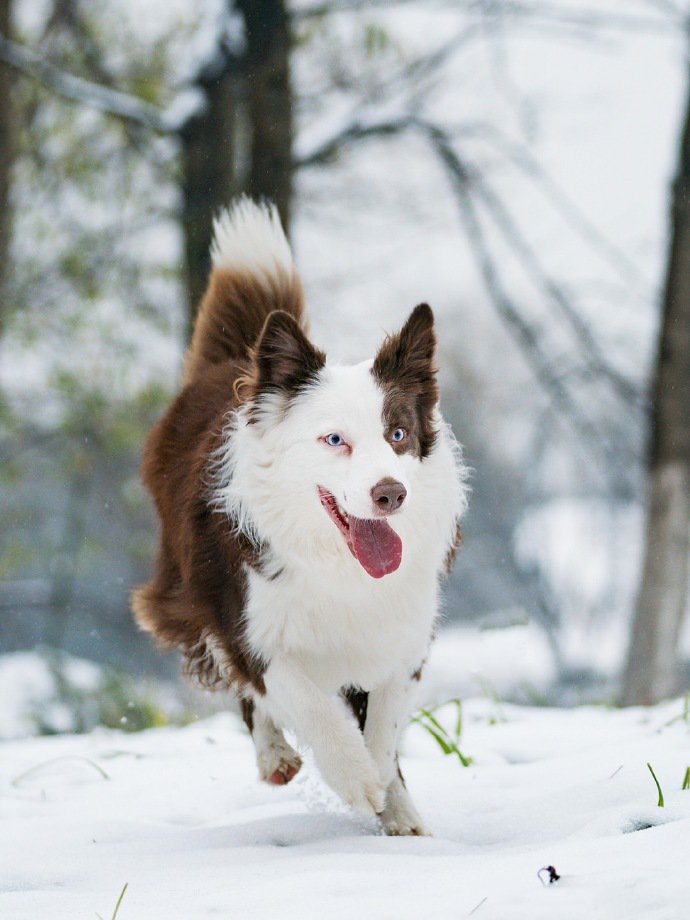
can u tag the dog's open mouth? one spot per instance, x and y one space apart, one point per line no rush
372 541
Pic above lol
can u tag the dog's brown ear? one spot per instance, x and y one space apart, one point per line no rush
405 369
409 356
284 358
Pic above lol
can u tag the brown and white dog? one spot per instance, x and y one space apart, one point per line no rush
308 513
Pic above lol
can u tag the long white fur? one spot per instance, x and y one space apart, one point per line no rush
249 236
314 615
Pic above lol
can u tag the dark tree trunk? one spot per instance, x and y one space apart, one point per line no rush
7 155
209 174
242 140
269 102
650 672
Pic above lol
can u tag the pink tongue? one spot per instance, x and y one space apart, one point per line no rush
376 546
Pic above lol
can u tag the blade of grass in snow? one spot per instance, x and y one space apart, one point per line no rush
684 715
448 745
458 719
119 900
686 779
117 906
489 690
475 909
47 763
660 802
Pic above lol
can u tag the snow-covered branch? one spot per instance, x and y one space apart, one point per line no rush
122 105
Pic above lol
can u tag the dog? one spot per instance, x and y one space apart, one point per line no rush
308 512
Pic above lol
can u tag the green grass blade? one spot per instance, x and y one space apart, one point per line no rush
686 779
441 736
464 760
458 721
660 802
436 735
119 900
434 721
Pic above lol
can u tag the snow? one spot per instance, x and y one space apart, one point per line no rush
179 815
467 661
28 686
46 693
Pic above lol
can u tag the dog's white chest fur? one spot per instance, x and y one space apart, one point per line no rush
341 630
312 601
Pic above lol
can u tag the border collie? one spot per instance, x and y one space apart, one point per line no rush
308 511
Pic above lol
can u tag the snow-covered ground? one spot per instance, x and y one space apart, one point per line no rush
178 815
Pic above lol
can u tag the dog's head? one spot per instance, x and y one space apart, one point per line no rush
342 445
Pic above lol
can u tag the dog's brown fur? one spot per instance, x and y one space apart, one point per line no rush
196 598
405 367
233 312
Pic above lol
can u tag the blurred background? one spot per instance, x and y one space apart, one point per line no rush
512 162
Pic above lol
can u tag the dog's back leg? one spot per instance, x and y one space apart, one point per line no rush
278 763
400 818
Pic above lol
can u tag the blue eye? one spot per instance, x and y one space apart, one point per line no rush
334 440
399 435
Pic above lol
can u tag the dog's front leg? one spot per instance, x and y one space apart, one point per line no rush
321 722
387 714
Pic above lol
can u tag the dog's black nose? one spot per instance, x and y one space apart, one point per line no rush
388 495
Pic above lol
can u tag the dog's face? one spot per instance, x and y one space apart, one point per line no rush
345 443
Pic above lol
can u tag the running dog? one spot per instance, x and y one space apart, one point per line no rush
308 512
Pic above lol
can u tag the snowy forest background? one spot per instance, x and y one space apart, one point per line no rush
508 161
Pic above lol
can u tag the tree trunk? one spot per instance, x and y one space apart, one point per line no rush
650 672
209 174
7 155
245 95
269 102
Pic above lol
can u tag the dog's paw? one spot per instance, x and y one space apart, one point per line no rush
397 828
278 763
400 818
356 780
364 794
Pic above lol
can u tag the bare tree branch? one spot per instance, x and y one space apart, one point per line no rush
523 159
526 335
527 11
111 101
331 148
316 10
553 291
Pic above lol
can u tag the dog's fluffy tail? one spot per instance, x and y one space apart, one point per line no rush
252 274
